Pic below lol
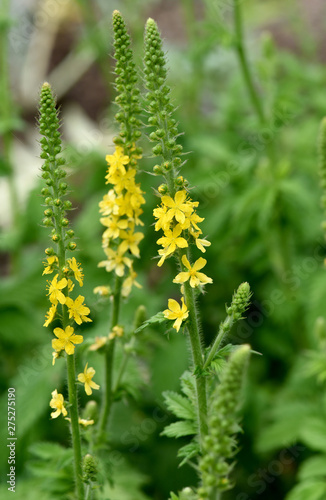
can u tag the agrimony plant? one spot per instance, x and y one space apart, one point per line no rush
66 275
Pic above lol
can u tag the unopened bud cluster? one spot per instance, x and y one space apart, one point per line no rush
219 444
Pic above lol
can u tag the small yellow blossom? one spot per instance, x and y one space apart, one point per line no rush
66 340
117 331
71 285
50 263
86 378
114 225
49 317
116 261
109 205
177 206
163 222
117 160
192 274
77 310
76 269
176 312
55 356
130 241
57 402
201 244
55 288
129 282
192 219
102 290
170 242
82 421
99 342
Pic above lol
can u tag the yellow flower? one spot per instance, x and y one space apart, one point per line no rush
109 205
117 160
77 310
50 262
129 282
176 312
130 242
66 339
117 331
113 224
116 261
102 290
57 402
170 242
55 356
192 219
162 222
78 272
177 206
86 378
192 274
82 421
55 288
49 317
202 243
99 342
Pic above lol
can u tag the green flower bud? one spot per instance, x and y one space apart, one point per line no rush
89 468
70 233
71 246
49 251
56 237
140 316
240 300
157 170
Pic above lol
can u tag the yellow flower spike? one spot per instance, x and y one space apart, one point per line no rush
57 403
86 378
76 269
54 290
177 206
50 263
66 340
192 274
171 241
176 312
77 310
117 331
49 316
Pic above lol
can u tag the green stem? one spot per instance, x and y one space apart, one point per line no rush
197 354
224 329
109 355
243 60
73 411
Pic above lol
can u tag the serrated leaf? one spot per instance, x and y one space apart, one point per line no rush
47 451
188 451
218 365
312 468
313 433
188 386
154 320
180 406
312 490
179 429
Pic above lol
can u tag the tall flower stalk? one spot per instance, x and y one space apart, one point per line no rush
176 216
121 205
66 274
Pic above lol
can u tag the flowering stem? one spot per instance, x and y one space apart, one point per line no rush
109 354
243 60
73 411
197 355
228 323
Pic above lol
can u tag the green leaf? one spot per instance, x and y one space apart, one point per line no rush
188 451
312 490
188 386
313 433
179 405
154 320
313 467
178 429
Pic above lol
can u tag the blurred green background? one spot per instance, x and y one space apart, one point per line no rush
258 188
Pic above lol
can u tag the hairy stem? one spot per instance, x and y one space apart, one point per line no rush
109 356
